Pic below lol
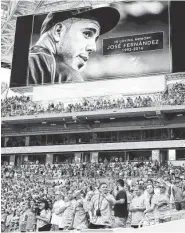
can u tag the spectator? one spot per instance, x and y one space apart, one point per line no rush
68 212
100 208
137 206
177 192
38 181
31 218
13 106
56 217
80 220
43 219
120 208
151 203
163 204
23 217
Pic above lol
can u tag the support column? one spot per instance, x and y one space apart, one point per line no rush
27 141
5 141
49 158
128 156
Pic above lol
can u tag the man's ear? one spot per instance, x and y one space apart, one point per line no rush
58 31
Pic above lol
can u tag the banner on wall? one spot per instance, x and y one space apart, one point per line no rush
155 155
172 155
94 157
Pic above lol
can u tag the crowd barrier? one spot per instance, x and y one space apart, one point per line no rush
172 216
174 226
176 218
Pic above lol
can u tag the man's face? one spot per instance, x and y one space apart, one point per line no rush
162 188
178 182
57 196
104 189
150 189
149 182
137 191
157 184
78 42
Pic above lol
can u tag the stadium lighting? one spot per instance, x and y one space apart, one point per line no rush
44 122
112 118
97 121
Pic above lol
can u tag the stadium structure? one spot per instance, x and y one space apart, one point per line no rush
145 133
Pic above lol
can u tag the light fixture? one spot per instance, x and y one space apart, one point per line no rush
53 124
97 121
112 118
44 122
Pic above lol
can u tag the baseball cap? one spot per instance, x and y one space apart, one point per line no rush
106 16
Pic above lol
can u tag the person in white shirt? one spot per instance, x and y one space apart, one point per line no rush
56 217
137 206
100 207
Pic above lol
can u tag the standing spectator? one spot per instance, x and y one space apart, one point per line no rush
23 217
43 219
14 224
183 193
151 202
56 216
80 214
3 219
31 218
120 208
163 204
100 207
67 211
137 206
177 194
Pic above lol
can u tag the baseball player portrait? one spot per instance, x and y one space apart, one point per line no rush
67 40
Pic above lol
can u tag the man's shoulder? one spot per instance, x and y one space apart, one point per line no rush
121 194
95 197
122 191
37 49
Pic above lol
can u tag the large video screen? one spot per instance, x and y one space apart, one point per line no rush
90 44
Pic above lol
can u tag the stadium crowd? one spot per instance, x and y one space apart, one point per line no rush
175 95
43 197
19 106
